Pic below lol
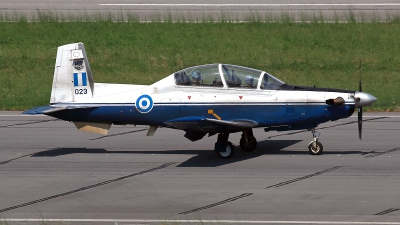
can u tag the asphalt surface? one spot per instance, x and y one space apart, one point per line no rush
233 9
51 171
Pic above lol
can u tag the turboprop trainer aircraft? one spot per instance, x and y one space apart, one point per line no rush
207 99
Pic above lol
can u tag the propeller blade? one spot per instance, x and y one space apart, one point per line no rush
359 83
360 112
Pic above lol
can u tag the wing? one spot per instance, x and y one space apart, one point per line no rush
202 124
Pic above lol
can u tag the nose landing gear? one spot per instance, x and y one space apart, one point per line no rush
315 147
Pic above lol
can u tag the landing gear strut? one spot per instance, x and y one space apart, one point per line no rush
248 142
315 147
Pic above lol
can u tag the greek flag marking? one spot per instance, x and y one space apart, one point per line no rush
82 82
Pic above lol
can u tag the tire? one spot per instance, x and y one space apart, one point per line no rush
229 151
315 151
250 145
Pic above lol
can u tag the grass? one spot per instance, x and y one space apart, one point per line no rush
304 53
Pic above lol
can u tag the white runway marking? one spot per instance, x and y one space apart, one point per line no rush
273 5
199 221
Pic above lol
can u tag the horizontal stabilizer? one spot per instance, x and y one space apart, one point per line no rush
98 128
43 110
37 110
48 109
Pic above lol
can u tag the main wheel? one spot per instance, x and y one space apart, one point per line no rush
228 151
250 145
317 150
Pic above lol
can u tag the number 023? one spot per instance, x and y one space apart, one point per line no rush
81 91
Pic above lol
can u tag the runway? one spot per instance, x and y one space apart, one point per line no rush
193 9
52 172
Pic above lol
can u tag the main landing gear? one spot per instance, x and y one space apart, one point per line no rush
248 142
315 147
225 148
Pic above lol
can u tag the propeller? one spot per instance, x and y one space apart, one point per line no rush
360 110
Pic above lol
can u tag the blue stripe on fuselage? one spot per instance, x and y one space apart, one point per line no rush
265 115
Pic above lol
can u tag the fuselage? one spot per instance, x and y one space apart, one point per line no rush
117 103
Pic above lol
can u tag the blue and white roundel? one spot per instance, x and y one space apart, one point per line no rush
144 104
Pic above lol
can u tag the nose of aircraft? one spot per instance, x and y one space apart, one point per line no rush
364 99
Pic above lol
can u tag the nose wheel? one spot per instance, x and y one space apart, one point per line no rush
315 147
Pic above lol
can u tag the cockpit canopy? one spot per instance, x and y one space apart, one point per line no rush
228 76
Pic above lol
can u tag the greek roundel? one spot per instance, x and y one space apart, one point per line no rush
144 104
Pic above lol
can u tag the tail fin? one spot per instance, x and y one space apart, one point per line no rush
73 80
